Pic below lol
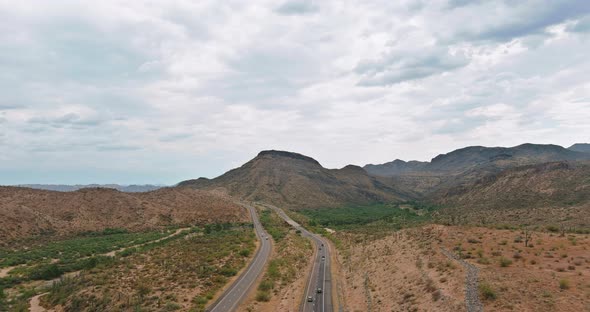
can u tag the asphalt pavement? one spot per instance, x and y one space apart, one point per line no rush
232 297
319 284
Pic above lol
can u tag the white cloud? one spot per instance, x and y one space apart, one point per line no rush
142 91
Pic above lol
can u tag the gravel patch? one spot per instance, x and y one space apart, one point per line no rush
472 301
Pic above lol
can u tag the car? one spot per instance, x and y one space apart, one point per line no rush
309 299
267 238
323 257
319 290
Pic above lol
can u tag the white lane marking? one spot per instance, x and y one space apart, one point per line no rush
241 278
310 279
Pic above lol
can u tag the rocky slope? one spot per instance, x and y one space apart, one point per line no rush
297 181
543 193
26 212
467 165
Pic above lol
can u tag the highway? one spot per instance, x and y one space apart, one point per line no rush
232 297
319 284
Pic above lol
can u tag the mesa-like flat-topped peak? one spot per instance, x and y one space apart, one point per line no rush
276 153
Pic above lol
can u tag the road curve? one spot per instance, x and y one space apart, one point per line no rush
232 297
321 274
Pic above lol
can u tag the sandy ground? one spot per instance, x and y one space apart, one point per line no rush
36 304
112 253
531 282
401 272
4 271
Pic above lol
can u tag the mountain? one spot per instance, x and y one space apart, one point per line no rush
580 147
296 181
70 188
554 192
466 165
464 159
396 167
26 212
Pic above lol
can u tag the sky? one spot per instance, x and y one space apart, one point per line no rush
161 91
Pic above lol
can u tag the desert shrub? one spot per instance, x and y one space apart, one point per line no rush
61 290
564 284
505 262
483 261
172 306
45 272
517 255
436 295
487 292
552 228
245 252
263 296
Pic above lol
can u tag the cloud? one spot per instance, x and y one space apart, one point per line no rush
506 20
399 67
297 7
188 89
582 25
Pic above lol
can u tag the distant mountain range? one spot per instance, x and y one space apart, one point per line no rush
71 188
499 184
526 184
467 158
580 147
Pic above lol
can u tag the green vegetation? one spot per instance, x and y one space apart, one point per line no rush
505 262
130 282
274 225
70 250
381 215
292 252
564 284
487 292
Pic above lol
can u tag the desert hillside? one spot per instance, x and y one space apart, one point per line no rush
27 212
297 181
549 193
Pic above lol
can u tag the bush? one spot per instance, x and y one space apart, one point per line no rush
487 292
263 296
266 285
244 252
46 272
200 300
564 284
504 262
552 228
172 306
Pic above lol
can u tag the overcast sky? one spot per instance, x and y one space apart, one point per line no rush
161 91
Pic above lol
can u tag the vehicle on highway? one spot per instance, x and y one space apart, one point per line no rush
309 299
319 290
323 257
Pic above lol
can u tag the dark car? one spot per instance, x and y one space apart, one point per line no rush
319 290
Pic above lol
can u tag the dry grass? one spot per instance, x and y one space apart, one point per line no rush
551 275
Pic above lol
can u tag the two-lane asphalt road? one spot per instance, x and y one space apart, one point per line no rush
241 287
319 284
